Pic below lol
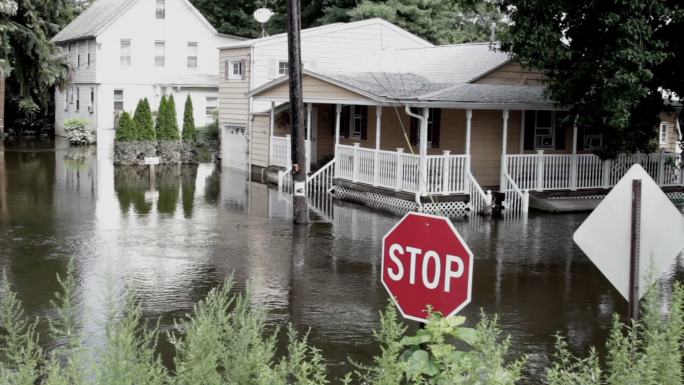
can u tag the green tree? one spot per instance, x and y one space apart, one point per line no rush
167 124
606 61
144 122
161 114
189 132
126 129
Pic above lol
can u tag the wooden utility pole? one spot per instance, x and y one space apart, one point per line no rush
294 54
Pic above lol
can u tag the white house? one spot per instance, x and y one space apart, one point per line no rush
250 64
124 50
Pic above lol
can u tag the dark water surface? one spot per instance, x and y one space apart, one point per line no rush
196 226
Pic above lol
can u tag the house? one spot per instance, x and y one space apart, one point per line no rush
124 50
250 64
2 103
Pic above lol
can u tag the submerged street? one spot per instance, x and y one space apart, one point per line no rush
197 226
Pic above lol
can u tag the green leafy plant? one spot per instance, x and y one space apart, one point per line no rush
126 129
144 122
77 132
189 132
167 125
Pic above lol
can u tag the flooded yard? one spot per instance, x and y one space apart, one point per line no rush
172 239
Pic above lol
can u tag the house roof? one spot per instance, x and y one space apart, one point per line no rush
96 18
436 75
327 28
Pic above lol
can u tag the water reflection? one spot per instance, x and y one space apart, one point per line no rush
173 235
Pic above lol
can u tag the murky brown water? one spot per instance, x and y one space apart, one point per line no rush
174 242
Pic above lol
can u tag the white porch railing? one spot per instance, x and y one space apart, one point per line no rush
280 153
586 171
480 202
516 201
446 173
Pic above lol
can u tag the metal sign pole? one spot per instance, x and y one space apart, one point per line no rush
634 250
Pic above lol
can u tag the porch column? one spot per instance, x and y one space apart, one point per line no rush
338 113
573 171
308 137
469 118
422 178
504 144
272 125
378 131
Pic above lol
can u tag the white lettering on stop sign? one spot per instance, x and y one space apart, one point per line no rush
431 267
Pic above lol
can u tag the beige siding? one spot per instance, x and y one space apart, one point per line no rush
672 134
2 103
260 140
512 73
233 102
314 89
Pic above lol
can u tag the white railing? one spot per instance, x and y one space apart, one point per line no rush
480 202
397 170
280 153
587 171
516 201
321 182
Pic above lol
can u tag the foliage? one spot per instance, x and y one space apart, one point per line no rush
439 21
77 132
126 130
649 351
607 61
209 133
189 132
143 121
432 357
167 124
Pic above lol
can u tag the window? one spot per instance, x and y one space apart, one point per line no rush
118 101
125 52
593 138
356 122
662 134
283 68
78 55
78 99
89 48
66 99
234 69
159 53
543 129
71 96
192 54
91 106
212 107
160 12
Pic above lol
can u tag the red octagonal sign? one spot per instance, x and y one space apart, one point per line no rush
425 262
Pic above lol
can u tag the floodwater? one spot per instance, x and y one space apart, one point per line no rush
173 241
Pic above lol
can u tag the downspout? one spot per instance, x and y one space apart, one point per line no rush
250 125
422 173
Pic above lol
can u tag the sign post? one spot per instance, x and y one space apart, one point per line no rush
633 235
426 263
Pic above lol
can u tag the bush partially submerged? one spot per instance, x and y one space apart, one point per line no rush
78 133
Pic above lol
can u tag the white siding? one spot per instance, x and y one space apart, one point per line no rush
84 73
68 111
234 109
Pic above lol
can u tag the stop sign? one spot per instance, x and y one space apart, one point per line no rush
425 262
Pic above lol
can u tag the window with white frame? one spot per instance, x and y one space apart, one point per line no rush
356 121
593 138
662 134
235 69
212 107
160 11
79 53
125 52
543 129
78 99
192 54
71 96
159 54
91 106
66 99
118 101
89 59
283 68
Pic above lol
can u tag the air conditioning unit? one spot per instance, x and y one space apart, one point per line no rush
91 109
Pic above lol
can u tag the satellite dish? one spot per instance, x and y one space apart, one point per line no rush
263 15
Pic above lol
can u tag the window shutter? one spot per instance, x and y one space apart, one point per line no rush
560 126
436 125
344 121
413 129
227 68
243 69
364 122
529 130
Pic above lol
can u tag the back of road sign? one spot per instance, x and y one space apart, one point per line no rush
605 234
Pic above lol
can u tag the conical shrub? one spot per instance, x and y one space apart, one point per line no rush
125 129
144 122
168 128
189 132
161 114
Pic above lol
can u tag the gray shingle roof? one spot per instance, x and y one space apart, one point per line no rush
489 93
93 19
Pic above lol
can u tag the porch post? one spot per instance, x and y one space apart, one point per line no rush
272 125
661 168
573 171
338 112
355 163
378 131
522 131
422 182
400 170
540 170
446 166
504 144
469 118
308 137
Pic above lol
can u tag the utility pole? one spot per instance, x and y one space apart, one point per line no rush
294 54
